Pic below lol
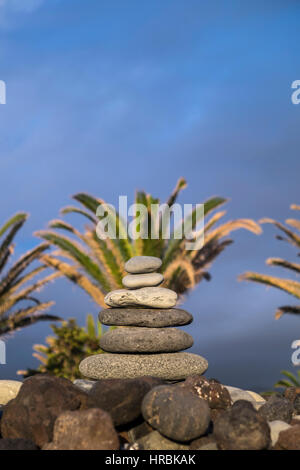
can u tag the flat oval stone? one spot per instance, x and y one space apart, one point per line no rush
168 366
145 340
156 297
142 264
146 317
134 281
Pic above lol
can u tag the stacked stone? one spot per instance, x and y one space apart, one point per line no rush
150 344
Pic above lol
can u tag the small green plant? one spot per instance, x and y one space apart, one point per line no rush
64 351
293 380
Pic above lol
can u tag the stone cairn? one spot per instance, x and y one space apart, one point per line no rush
149 345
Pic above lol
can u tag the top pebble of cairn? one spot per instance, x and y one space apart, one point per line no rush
142 264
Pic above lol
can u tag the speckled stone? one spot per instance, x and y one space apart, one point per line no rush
146 317
142 264
168 366
135 281
145 340
156 297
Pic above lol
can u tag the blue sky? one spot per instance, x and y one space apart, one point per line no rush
108 96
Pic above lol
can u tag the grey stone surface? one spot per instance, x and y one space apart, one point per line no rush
155 441
277 408
176 412
169 366
145 340
135 281
142 264
156 297
145 317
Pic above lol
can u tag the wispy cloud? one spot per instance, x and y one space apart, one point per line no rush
9 8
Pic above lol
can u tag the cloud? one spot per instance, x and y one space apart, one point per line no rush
20 5
10 8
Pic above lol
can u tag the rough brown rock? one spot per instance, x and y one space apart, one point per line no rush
176 412
17 444
84 430
42 398
289 439
122 398
241 428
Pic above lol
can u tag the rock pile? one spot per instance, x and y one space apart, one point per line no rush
51 413
149 344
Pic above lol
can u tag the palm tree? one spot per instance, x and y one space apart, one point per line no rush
288 285
97 265
14 287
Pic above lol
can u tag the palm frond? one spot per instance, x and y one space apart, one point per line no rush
295 310
14 285
78 254
75 276
287 285
284 264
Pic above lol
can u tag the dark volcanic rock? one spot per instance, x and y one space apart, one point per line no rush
122 398
145 340
289 439
276 408
241 428
145 317
41 399
138 431
84 430
202 441
293 395
17 444
216 395
176 412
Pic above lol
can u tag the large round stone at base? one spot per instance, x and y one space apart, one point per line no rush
169 366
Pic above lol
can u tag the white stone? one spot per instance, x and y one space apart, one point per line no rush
156 297
276 427
9 389
84 384
142 264
135 281
239 394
